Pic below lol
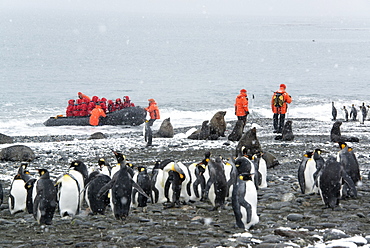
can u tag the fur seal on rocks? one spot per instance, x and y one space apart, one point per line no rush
336 136
250 143
287 133
203 133
237 132
218 125
17 153
166 129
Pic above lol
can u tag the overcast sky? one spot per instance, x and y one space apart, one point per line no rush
211 7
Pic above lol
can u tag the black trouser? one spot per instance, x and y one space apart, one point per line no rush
244 119
279 124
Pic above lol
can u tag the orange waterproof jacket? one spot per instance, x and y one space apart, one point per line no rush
83 96
95 115
284 108
241 104
153 110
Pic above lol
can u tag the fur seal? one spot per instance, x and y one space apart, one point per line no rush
237 132
218 125
250 142
203 133
287 133
336 136
166 129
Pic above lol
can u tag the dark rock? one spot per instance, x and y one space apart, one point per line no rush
17 153
97 135
334 234
5 139
294 217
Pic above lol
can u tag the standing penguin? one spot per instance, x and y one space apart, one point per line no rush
348 160
69 194
345 113
94 183
121 192
45 200
333 111
361 116
330 180
244 202
29 200
143 180
173 179
18 193
353 113
261 166
244 165
216 186
78 172
306 172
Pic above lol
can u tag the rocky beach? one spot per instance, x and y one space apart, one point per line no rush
288 218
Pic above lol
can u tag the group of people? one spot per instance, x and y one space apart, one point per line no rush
84 105
279 105
96 108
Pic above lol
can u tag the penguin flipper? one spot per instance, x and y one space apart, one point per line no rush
348 180
105 189
139 189
248 207
301 178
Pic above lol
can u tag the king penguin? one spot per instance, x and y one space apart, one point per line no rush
69 194
94 183
45 200
144 181
18 193
261 167
244 202
306 171
78 171
330 182
216 186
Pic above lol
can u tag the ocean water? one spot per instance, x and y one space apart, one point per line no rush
193 65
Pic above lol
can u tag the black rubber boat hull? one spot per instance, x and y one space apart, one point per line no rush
132 116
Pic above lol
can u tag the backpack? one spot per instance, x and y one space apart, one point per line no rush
278 99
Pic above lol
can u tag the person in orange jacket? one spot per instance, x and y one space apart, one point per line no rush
279 106
96 113
241 106
81 96
153 111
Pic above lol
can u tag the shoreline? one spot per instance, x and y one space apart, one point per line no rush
286 215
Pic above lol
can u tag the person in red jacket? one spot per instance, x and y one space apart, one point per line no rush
153 111
241 106
96 113
118 105
70 108
279 106
83 107
103 104
127 102
111 106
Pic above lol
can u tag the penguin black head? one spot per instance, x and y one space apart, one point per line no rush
44 173
119 156
101 162
308 154
141 168
342 145
246 176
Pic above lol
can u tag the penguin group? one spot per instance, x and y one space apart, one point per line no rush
354 114
335 179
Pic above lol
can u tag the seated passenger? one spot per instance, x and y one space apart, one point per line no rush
127 102
70 108
111 106
81 96
118 105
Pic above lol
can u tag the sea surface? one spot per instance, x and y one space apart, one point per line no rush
192 65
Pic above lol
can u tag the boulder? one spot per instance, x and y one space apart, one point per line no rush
97 135
5 139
